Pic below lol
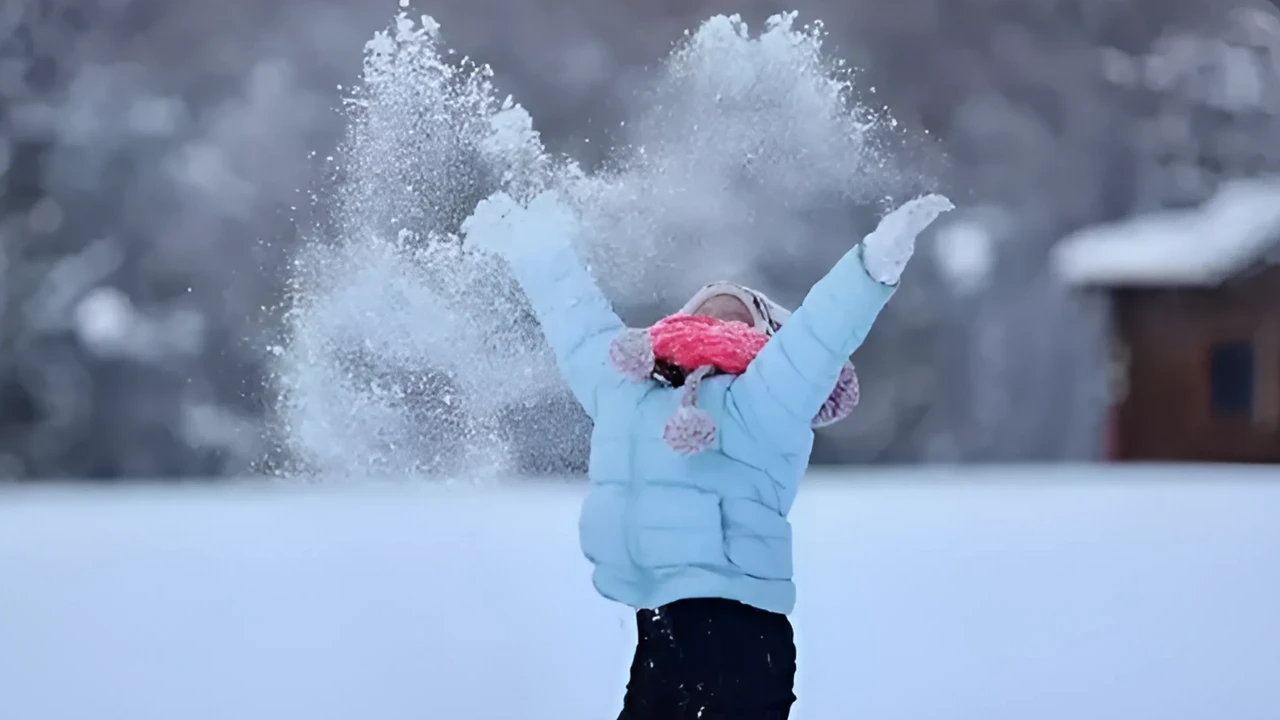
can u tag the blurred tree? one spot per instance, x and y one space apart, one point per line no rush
151 153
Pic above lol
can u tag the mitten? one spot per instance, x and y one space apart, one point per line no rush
887 249
491 227
503 226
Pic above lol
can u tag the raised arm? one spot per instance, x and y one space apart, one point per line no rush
793 375
575 317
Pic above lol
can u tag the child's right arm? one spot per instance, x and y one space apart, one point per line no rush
787 383
575 317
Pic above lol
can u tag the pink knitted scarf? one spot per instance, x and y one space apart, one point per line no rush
682 349
692 341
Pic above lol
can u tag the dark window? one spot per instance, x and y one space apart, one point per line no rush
1231 378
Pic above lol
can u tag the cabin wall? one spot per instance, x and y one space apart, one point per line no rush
1201 372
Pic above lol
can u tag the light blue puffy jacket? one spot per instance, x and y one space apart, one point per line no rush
659 526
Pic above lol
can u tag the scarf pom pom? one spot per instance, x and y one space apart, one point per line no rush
632 354
690 431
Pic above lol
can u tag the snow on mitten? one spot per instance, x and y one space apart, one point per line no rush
501 225
491 226
886 251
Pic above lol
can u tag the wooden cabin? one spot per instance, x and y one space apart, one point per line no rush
1199 371
1196 328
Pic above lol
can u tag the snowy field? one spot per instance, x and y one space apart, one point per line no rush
1020 594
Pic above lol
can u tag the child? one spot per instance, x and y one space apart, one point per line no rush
703 430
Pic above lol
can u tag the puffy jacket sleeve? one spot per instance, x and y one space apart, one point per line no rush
576 318
789 380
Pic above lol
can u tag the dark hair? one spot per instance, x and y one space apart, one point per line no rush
669 372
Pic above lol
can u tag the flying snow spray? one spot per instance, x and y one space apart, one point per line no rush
411 356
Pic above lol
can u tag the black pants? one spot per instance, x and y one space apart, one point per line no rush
711 659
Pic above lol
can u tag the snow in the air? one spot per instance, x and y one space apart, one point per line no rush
739 132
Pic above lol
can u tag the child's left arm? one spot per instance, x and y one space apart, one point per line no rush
576 318
787 383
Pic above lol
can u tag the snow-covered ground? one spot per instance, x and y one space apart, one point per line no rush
1019 594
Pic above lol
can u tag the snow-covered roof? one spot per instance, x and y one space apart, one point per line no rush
1237 228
